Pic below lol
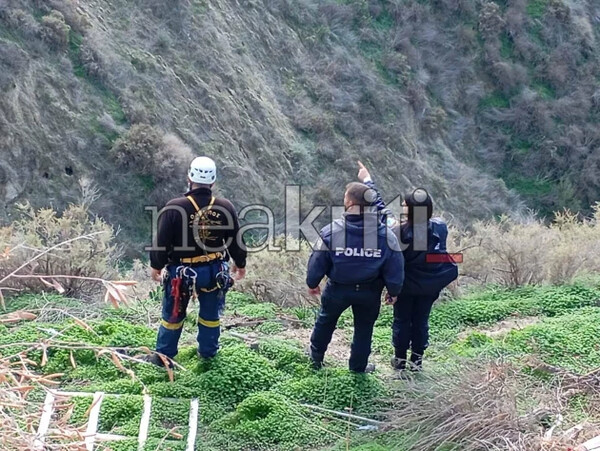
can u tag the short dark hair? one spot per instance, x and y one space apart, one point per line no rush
423 199
359 194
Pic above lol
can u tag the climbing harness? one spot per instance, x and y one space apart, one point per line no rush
182 290
224 282
183 284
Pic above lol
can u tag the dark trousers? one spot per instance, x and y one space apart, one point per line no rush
209 305
410 329
365 303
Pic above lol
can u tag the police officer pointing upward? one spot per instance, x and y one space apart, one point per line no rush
360 256
197 236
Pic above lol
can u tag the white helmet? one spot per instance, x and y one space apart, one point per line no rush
203 170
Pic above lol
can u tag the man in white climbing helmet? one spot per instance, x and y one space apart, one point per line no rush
203 170
197 237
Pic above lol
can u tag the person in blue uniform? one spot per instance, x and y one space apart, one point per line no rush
356 254
424 277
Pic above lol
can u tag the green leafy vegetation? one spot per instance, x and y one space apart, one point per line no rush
111 103
121 415
81 406
544 89
495 304
248 397
253 397
537 8
528 186
495 100
167 416
263 310
266 419
570 341
336 389
508 46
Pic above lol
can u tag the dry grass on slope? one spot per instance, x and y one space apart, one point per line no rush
487 406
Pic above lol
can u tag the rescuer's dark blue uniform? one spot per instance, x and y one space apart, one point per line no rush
423 282
358 266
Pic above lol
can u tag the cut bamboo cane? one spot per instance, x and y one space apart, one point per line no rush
342 414
590 445
193 426
48 408
90 434
145 423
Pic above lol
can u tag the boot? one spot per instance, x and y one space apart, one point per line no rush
398 364
201 358
399 359
316 361
370 368
317 364
416 362
156 360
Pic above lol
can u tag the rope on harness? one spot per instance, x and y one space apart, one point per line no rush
176 283
182 290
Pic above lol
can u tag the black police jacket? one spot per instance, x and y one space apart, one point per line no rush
349 254
421 278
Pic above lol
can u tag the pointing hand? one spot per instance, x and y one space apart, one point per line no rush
363 173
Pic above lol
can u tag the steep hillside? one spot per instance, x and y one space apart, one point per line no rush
465 97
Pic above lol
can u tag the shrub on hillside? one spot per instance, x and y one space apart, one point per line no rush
54 30
72 13
514 253
18 19
490 19
93 62
137 148
95 255
397 64
507 76
433 120
148 151
560 10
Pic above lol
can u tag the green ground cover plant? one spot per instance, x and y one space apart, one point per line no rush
251 397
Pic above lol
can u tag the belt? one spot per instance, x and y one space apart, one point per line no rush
202 258
377 283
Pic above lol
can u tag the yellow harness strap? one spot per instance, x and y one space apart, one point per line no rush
208 207
215 255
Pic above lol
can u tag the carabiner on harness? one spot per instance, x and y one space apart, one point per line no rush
223 278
